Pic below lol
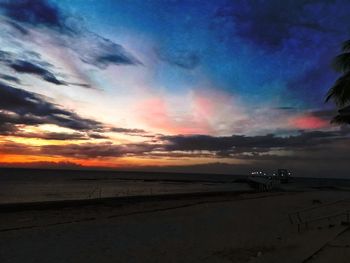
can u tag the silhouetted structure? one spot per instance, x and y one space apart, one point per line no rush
284 175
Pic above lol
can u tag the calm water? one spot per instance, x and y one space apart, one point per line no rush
32 185
48 185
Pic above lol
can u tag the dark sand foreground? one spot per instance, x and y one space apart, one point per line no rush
221 227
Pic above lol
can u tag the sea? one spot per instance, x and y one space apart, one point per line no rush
23 185
40 185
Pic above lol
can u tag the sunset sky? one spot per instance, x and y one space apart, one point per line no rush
220 86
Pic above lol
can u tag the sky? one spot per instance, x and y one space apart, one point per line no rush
226 86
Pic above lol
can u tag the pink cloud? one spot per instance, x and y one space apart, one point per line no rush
167 117
196 112
308 122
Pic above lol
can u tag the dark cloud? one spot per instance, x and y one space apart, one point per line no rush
118 58
5 56
35 13
19 108
11 124
125 130
289 34
97 136
5 127
32 63
22 66
135 132
252 148
19 28
239 143
100 52
22 107
94 150
269 23
181 58
45 165
303 167
52 135
91 48
285 108
83 85
29 63
306 152
9 147
10 78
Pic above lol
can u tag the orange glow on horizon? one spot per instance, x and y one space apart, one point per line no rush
17 160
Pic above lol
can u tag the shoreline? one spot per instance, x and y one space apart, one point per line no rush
115 201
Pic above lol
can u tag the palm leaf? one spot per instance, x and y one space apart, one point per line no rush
341 63
339 119
346 46
343 117
340 92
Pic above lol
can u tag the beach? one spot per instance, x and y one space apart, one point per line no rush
207 227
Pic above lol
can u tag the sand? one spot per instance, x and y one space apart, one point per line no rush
217 228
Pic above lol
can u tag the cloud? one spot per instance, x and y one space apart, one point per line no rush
234 144
96 150
254 148
305 166
288 34
308 122
22 66
43 164
5 56
22 107
10 78
285 108
100 52
9 147
35 13
28 62
19 28
185 59
95 135
269 24
5 127
67 31
126 130
53 135
311 120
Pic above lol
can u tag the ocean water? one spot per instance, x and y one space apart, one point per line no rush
27 185
36 185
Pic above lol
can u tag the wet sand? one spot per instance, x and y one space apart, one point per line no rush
245 227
